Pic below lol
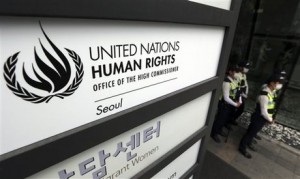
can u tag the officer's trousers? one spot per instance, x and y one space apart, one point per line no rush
257 123
239 111
225 111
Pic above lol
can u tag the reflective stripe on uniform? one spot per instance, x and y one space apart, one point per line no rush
233 89
271 104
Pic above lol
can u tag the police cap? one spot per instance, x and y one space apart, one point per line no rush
276 78
244 64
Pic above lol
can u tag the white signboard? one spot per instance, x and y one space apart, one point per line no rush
181 164
58 74
125 155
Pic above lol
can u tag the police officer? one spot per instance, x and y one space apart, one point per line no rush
281 76
227 103
264 112
277 91
244 89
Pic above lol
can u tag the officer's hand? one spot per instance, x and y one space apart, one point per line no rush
238 104
271 122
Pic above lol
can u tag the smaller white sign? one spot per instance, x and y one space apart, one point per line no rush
127 154
181 164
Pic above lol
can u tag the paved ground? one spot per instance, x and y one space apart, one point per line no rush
273 160
213 163
276 131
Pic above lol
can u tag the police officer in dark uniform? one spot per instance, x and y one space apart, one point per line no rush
243 89
278 92
281 75
264 112
228 103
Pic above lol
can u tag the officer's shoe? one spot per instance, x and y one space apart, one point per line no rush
257 137
251 147
245 153
215 138
223 134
